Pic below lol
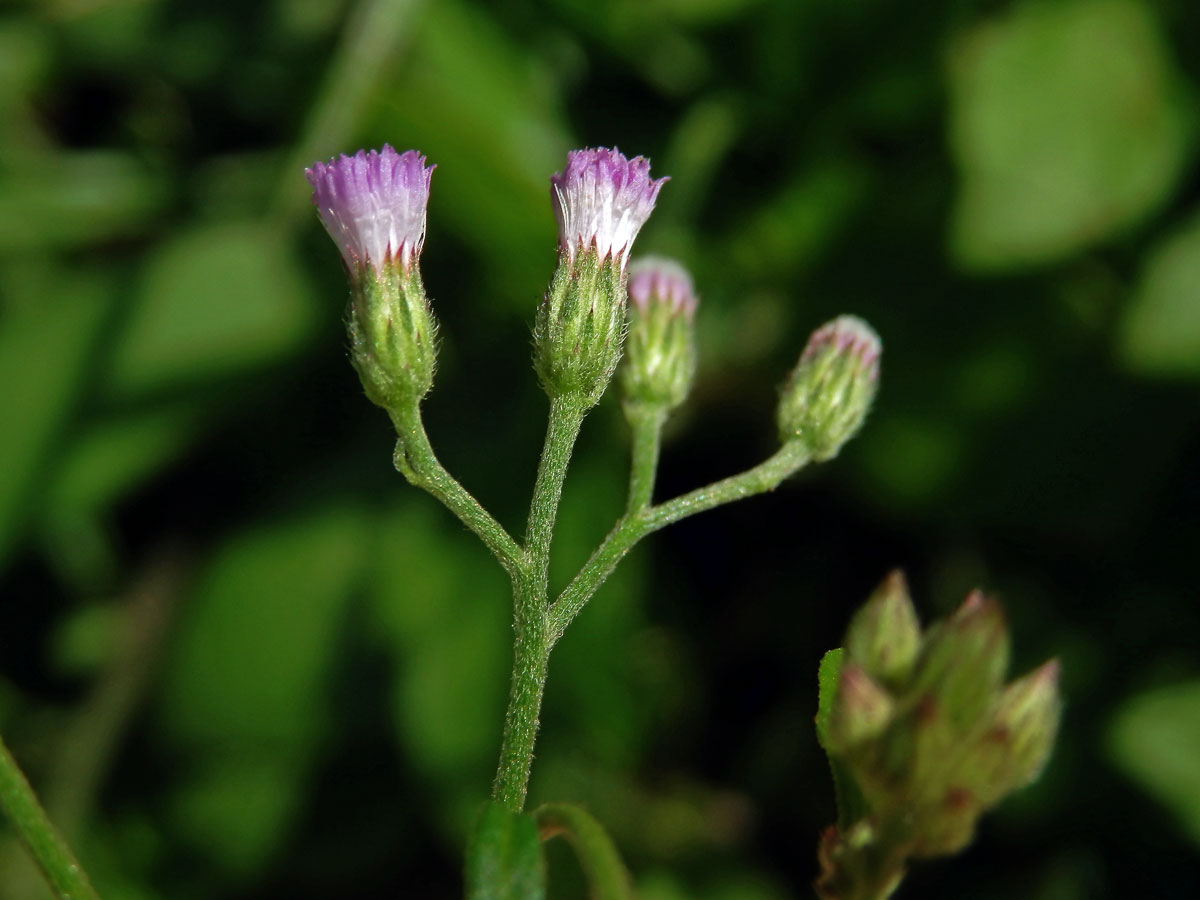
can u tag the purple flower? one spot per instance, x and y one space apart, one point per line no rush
847 335
602 200
373 204
654 279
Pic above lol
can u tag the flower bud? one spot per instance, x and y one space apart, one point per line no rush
660 349
884 636
828 394
861 709
1023 729
373 205
601 200
964 660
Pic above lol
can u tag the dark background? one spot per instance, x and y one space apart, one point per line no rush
241 658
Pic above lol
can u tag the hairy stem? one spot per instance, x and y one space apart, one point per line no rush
647 423
531 647
415 458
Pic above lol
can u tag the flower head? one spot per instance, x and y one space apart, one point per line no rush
660 348
655 279
601 201
831 389
373 204
851 337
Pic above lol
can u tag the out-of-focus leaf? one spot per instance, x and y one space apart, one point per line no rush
46 347
215 301
24 59
802 218
504 857
256 638
69 199
912 459
475 105
243 698
235 806
1160 334
1068 124
443 607
115 454
1155 739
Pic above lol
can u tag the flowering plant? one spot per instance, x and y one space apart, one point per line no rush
921 731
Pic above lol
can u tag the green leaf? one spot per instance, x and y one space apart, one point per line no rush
476 105
70 199
606 874
827 682
244 698
215 301
1154 738
1069 124
850 803
504 857
114 455
1160 333
48 332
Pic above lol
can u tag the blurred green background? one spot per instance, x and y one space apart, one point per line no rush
241 659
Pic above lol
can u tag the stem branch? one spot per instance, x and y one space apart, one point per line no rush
634 526
647 423
415 458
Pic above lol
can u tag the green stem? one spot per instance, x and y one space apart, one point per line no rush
647 423
531 647
607 876
54 857
415 458
531 654
633 527
566 415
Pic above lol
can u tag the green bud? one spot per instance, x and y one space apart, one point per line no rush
963 662
660 348
1023 730
828 394
861 710
580 326
884 636
392 333
948 825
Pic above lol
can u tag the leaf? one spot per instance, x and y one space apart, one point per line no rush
827 682
1154 738
1160 332
215 301
606 874
1068 124
48 333
850 803
477 106
115 454
244 703
504 857
70 199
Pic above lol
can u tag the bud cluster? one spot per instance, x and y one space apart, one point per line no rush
928 734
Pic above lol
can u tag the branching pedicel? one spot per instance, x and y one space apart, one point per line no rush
373 205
